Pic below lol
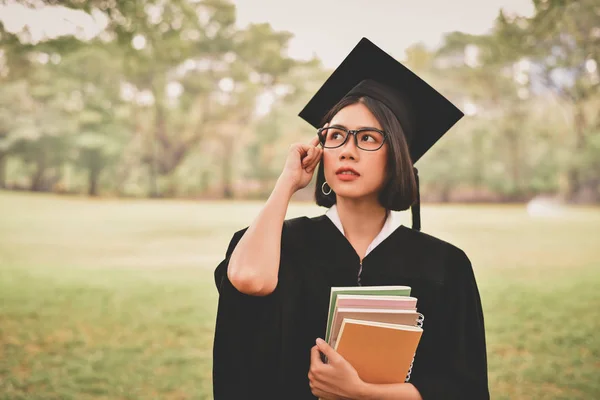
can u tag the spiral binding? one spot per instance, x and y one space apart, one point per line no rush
420 320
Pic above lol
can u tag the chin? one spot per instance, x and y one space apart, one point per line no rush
351 193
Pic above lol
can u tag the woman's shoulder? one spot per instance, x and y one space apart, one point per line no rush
304 225
432 243
443 259
291 227
296 223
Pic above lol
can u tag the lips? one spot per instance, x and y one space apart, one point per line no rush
347 171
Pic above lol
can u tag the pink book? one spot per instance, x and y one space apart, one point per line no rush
388 302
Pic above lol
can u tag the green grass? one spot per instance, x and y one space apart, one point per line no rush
114 299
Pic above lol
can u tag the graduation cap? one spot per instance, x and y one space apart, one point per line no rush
424 114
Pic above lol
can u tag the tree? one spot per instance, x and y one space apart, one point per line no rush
92 84
562 39
38 125
273 132
176 56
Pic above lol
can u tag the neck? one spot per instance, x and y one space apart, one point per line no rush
361 218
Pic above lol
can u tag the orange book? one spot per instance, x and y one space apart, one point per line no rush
380 352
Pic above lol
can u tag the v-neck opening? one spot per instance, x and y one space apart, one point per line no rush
393 233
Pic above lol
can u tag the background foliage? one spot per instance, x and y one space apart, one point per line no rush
171 99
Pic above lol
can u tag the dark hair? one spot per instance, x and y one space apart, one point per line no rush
400 190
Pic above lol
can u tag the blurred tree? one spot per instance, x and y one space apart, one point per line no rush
191 72
171 98
258 73
562 40
41 127
276 130
38 123
14 67
93 78
419 58
482 76
159 43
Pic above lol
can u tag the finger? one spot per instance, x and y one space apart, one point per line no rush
326 349
323 395
306 153
317 158
315 357
313 157
310 168
309 160
305 148
314 141
317 390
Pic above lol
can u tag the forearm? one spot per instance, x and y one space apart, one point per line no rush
393 391
254 263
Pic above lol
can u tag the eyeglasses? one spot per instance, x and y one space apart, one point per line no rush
368 139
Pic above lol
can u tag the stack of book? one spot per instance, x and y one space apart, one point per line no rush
376 329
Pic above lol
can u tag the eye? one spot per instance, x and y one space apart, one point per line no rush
335 134
368 138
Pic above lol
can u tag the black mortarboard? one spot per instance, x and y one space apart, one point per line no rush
424 114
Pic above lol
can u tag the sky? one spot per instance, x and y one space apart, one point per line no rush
328 29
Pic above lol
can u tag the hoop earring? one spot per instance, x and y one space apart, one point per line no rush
323 189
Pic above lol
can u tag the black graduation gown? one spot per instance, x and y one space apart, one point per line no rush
262 344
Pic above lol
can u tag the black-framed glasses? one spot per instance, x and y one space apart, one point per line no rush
368 139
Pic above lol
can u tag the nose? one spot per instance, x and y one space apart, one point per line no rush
349 150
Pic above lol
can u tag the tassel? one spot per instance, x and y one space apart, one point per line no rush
416 207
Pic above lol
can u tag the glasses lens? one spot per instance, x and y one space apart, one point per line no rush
367 140
334 137
370 140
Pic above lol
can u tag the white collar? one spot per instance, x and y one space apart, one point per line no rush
392 223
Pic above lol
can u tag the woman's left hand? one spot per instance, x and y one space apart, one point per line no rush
335 380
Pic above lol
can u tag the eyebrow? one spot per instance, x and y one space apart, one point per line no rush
359 128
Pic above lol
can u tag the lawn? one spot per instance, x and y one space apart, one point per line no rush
114 299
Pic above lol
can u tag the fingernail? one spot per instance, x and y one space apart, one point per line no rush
320 341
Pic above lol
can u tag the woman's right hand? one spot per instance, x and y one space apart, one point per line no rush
301 163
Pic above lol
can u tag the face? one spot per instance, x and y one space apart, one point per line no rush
369 165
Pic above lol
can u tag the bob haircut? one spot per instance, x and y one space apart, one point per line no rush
400 189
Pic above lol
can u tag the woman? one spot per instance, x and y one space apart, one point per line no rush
275 280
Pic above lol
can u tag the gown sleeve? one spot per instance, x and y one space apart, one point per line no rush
246 338
458 366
